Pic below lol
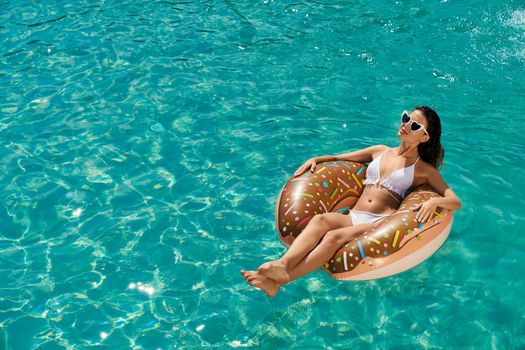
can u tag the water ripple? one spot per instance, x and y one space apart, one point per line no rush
144 145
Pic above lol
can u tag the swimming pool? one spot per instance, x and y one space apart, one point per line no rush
144 145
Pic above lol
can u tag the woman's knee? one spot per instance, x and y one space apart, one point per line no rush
321 220
331 221
337 237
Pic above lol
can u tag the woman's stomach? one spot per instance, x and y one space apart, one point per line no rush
376 200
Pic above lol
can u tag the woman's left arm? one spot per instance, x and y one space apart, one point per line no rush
449 200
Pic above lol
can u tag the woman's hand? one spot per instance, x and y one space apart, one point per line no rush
426 209
310 163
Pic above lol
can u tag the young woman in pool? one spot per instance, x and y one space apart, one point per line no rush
391 173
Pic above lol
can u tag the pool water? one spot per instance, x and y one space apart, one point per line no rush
144 144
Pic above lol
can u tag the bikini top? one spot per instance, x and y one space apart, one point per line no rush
398 181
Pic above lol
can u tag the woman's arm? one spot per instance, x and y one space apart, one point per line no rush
364 155
449 199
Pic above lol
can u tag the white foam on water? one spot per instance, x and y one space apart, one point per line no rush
517 19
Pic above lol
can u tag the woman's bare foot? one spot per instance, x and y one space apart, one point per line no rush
275 270
255 279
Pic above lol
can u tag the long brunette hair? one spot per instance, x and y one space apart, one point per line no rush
431 151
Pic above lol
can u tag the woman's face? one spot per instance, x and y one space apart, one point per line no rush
406 134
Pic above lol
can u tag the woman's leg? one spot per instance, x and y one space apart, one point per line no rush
304 243
329 245
312 234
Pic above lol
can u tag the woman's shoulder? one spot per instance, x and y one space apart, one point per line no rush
383 148
425 168
379 150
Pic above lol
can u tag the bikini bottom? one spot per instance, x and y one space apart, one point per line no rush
361 217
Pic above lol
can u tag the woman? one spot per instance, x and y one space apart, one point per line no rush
392 173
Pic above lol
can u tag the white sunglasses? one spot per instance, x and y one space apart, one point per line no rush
414 125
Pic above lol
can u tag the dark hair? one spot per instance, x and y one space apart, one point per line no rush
431 151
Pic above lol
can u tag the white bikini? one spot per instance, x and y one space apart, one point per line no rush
399 181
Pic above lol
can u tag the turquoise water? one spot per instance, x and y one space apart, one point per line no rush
143 146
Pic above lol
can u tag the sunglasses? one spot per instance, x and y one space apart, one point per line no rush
414 125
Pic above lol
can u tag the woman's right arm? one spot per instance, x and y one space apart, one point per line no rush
364 155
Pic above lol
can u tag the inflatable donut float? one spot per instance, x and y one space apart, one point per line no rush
394 244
